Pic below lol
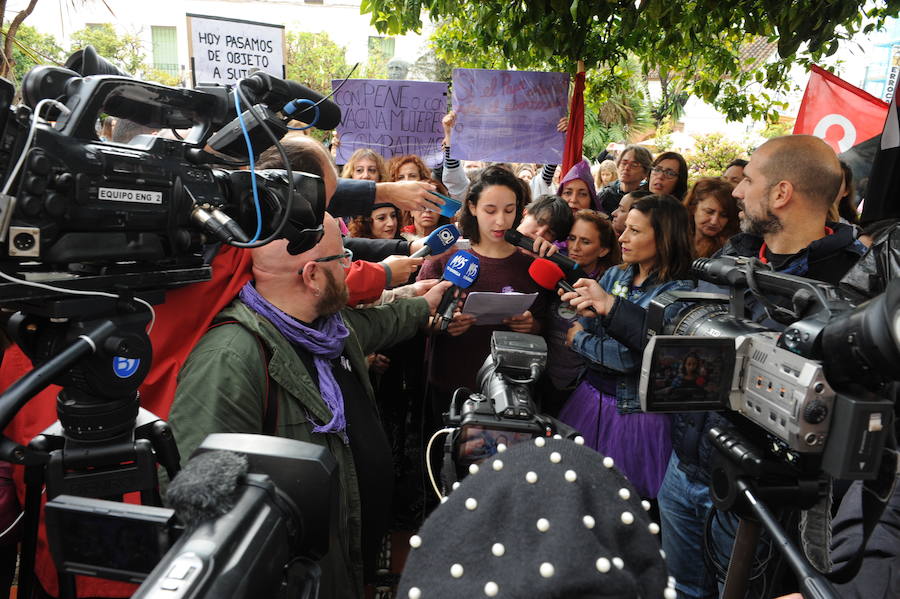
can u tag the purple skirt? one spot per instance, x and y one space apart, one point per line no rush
639 443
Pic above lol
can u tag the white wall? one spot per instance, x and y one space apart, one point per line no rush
339 19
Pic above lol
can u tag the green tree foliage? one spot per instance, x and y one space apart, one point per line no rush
697 43
313 59
126 51
711 155
376 66
32 48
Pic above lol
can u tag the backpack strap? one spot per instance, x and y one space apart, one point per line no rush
270 418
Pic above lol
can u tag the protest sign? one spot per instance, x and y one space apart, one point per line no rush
391 117
226 50
508 116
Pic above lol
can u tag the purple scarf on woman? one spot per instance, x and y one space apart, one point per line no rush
324 344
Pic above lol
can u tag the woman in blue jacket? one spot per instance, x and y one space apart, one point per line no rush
656 252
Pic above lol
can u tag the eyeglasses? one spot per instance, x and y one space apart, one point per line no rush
629 163
665 172
346 258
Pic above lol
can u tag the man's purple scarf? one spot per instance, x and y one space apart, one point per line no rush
325 344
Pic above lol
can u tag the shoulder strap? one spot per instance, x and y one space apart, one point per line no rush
270 418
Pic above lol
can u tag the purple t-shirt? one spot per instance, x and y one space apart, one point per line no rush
456 360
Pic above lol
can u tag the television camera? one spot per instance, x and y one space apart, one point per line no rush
92 233
250 516
815 396
503 411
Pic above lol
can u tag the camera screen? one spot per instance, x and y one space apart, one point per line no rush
122 545
477 443
690 374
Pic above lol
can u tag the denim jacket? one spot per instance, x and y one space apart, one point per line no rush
603 340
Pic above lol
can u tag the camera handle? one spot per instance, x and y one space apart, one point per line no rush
103 445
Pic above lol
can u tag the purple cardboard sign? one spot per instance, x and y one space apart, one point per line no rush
509 116
391 117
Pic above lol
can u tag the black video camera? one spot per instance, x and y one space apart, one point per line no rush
817 389
265 544
503 412
72 205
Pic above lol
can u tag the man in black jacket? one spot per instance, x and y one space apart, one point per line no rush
787 189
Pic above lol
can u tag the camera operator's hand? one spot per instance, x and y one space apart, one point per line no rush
460 324
588 293
522 323
448 122
402 267
573 330
433 296
408 195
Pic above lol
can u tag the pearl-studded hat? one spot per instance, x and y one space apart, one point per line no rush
548 518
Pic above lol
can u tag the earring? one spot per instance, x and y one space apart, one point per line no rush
316 292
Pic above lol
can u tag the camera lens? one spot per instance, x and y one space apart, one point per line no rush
862 346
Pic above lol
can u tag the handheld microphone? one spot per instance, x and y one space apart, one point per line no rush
461 270
439 241
550 276
570 268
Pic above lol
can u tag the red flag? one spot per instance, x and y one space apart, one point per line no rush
575 130
840 113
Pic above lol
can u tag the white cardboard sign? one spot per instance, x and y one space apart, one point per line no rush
226 50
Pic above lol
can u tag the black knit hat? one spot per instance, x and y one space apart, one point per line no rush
548 518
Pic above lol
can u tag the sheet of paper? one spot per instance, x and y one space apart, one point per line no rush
493 308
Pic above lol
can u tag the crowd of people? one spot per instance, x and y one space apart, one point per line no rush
633 223
336 345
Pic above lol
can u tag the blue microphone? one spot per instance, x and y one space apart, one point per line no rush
461 270
439 241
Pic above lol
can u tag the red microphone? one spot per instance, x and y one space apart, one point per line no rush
550 276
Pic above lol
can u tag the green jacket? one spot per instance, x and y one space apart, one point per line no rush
221 389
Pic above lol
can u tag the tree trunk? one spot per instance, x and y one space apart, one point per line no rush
8 62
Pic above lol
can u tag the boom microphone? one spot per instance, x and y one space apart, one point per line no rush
461 270
572 271
439 241
550 276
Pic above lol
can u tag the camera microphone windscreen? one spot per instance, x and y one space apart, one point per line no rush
439 241
205 487
570 268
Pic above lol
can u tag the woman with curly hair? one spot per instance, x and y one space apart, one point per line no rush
713 214
408 168
382 223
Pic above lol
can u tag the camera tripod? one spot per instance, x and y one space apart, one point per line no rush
104 444
741 480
